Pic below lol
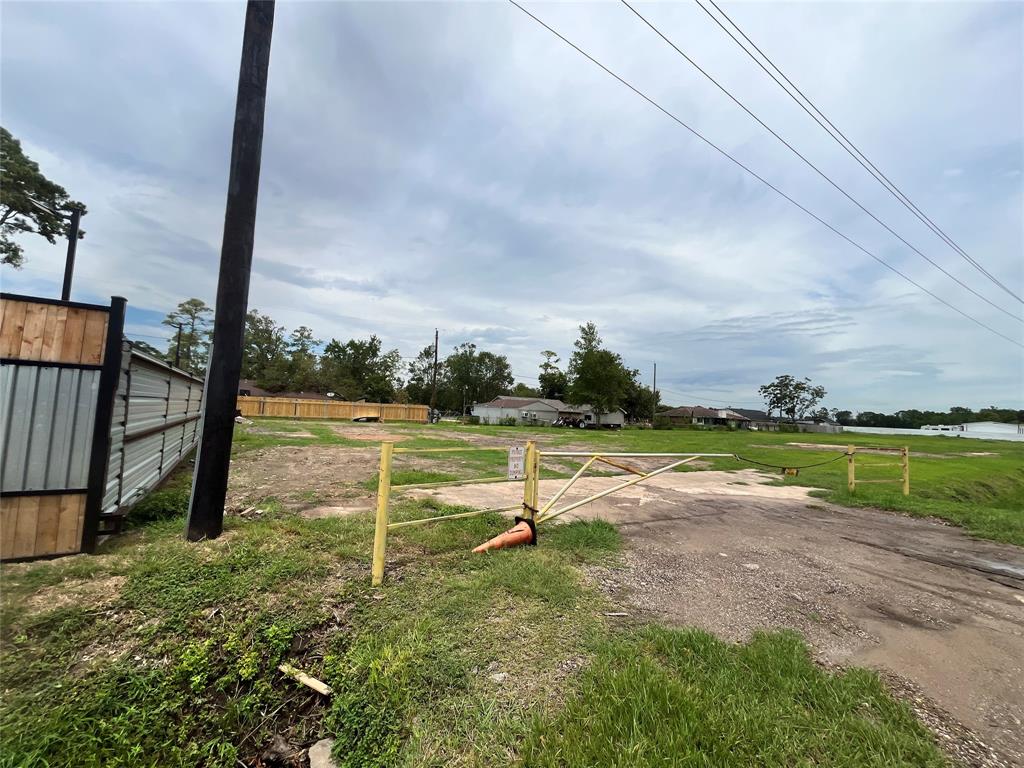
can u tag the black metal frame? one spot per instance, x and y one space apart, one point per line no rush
99 457
45 364
41 492
57 302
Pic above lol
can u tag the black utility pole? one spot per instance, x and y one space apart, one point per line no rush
177 349
69 263
210 483
654 393
433 381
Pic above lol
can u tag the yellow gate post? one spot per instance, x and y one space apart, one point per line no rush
851 470
531 489
905 466
380 534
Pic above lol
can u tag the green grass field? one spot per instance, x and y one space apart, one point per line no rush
164 653
159 652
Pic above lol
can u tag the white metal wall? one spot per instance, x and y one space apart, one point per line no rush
155 425
47 416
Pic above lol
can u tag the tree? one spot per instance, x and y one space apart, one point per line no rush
302 362
791 397
471 376
639 400
262 347
420 372
29 202
148 349
193 317
597 376
359 370
522 390
552 380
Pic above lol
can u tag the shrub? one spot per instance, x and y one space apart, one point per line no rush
662 422
507 421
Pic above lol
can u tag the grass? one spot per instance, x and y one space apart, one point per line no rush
982 493
655 692
159 652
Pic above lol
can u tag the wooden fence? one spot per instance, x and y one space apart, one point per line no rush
298 408
88 425
58 373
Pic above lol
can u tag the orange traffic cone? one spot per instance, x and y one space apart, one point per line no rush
523 532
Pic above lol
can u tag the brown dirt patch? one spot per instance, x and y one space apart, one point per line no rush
300 475
368 432
88 593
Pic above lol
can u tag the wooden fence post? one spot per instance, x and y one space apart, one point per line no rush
851 471
905 465
380 534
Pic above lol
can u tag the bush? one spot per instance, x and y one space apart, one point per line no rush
662 422
507 421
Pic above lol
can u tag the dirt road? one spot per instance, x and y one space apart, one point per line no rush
939 613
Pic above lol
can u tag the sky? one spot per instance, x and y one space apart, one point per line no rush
455 165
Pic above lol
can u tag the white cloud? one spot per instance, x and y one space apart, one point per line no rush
454 165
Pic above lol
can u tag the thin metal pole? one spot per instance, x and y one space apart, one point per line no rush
69 263
456 516
640 455
568 485
530 487
615 488
210 482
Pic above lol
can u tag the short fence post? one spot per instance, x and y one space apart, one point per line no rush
851 470
905 465
380 534
530 490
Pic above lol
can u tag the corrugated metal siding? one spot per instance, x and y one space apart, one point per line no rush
48 415
148 436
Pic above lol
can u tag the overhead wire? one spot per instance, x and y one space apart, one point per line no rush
840 138
760 178
814 167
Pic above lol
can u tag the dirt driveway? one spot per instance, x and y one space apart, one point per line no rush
939 613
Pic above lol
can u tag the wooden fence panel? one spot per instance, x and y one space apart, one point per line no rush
50 333
33 526
298 408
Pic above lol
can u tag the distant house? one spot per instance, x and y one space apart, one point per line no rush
248 388
759 420
697 414
541 411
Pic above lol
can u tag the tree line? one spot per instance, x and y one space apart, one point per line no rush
915 419
362 369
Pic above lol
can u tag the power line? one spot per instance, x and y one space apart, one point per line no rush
764 181
701 397
815 168
840 138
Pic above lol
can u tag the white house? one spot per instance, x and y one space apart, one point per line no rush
541 411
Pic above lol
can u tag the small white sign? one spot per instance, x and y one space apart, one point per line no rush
516 462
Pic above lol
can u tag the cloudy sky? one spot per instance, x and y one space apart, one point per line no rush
454 165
